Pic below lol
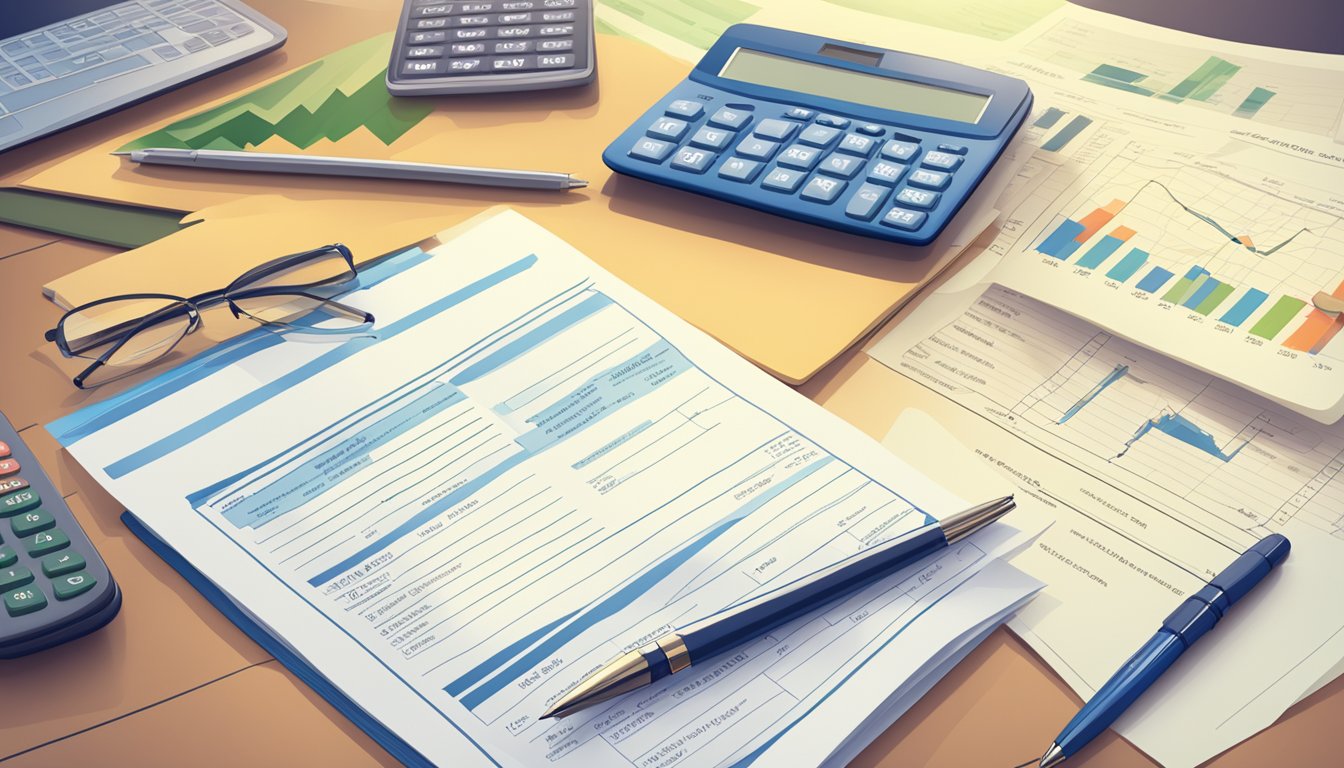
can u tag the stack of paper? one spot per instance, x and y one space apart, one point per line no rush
526 469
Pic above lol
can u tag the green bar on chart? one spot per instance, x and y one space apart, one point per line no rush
1253 102
1203 82
1278 316
1118 78
1215 298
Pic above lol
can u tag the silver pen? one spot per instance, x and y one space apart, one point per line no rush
317 165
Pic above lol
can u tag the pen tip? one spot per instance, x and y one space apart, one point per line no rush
119 153
576 183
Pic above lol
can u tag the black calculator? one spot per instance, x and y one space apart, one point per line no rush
53 583
493 45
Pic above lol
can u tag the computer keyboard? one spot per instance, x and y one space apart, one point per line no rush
41 68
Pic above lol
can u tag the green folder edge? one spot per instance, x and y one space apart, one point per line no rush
124 226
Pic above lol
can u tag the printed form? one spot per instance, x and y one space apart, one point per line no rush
526 470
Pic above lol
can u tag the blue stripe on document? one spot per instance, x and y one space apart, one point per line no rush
532 338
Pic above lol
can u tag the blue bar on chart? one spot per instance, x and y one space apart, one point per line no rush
1244 307
1063 241
1049 118
1129 265
1105 247
1185 286
1066 134
1200 291
1155 279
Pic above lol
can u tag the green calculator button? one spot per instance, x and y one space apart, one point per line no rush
15 503
73 585
31 522
46 542
8 557
61 564
15 577
26 600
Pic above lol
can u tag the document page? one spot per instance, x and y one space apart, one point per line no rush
524 470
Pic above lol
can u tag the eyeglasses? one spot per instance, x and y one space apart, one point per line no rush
123 333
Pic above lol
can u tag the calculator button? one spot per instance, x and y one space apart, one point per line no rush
942 161
47 542
22 501
74 585
798 113
823 190
855 144
778 130
955 149
843 166
63 563
464 8
15 577
684 108
8 556
474 33
740 169
517 5
693 160
471 21
13 484
513 18
866 202
833 121
24 601
870 129
424 38
653 150
900 151
431 23
555 61
711 138
557 30
427 11
557 3
883 172
555 45
557 16
513 64
918 199
926 179
757 149
730 118
9 467
899 218
32 521
513 32
468 49
424 52
428 67
464 65
784 180
4 449
818 135
798 156
503 47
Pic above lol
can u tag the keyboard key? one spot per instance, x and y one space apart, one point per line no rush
818 135
425 52
823 190
213 37
557 3
8 556
168 52
711 138
669 128
899 218
740 169
730 118
955 149
513 32
784 180
428 11
757 149
798 156
943 161
471 49
15 577
549 16
514 18
832 121
517 5
798 113
24 601
856 144
463 65
686 108
470 21
471 33
423 38
883 172
870 129
900 151
16 503
429 67
842 166
558 30
555 61
555 45
194 44
506 46
62 563
917 198
513 64
866 202
926 179
46 542
72 586
463 8
652 150
779 130
31 522
430 23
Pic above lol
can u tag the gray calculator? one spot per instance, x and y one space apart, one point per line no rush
490 46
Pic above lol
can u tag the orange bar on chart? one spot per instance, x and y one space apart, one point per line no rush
1122 233
1318 329
1094 221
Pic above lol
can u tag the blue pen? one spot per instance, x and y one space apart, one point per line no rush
1181 629
679 649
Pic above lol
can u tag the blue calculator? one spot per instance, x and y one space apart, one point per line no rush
865 140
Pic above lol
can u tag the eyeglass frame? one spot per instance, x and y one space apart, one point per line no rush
194 305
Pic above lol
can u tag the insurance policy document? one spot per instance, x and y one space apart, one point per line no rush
525 470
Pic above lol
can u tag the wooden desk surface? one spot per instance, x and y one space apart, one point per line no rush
171 682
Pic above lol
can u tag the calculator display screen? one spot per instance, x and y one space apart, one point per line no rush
766 69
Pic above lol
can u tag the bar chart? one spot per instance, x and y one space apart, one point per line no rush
1057 132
